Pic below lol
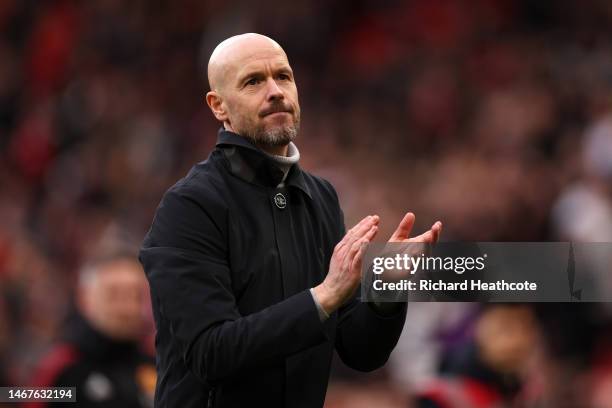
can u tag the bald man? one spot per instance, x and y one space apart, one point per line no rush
252 274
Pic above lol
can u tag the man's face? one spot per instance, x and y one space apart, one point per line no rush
259 94
115 298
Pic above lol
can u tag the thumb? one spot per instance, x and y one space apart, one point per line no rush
404 228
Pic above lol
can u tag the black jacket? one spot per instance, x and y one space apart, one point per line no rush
230 264
106 373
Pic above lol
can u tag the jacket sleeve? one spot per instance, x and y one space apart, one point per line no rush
365 336
185 259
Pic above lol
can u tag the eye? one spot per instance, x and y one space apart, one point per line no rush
284 77
252 82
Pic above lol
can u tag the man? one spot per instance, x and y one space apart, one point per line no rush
100 354
252 276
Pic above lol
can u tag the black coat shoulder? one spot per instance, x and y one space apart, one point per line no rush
191 209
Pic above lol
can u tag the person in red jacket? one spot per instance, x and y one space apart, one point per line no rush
100 353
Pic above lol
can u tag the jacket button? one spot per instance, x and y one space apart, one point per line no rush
280 201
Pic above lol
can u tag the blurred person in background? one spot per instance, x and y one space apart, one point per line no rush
487 371
432 331
572 366
101 352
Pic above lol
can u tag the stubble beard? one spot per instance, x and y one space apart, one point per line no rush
279 135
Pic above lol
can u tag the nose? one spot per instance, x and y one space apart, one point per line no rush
273 90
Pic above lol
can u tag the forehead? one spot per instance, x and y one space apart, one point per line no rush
257 59
120 272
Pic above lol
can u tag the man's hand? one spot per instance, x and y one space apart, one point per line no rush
345 265
405 226
414 245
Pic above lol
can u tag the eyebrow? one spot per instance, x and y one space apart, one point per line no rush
258 72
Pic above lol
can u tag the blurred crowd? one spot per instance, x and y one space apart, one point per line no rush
494 116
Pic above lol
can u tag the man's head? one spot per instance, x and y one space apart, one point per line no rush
112 296
252 90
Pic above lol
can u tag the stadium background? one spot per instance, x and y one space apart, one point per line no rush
494 116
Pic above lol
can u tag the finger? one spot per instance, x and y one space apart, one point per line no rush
354 234
365 239
426 237
359 231
369 236
357 244
364 223
434 231
351 231
358 259
437 230
404 228
350 254
361 222
430 236
366 227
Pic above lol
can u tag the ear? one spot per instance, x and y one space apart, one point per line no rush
216 105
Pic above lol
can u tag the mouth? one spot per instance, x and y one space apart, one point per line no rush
276 112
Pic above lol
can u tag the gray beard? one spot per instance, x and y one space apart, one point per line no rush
278 136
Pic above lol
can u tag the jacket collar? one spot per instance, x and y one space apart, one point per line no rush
249 163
